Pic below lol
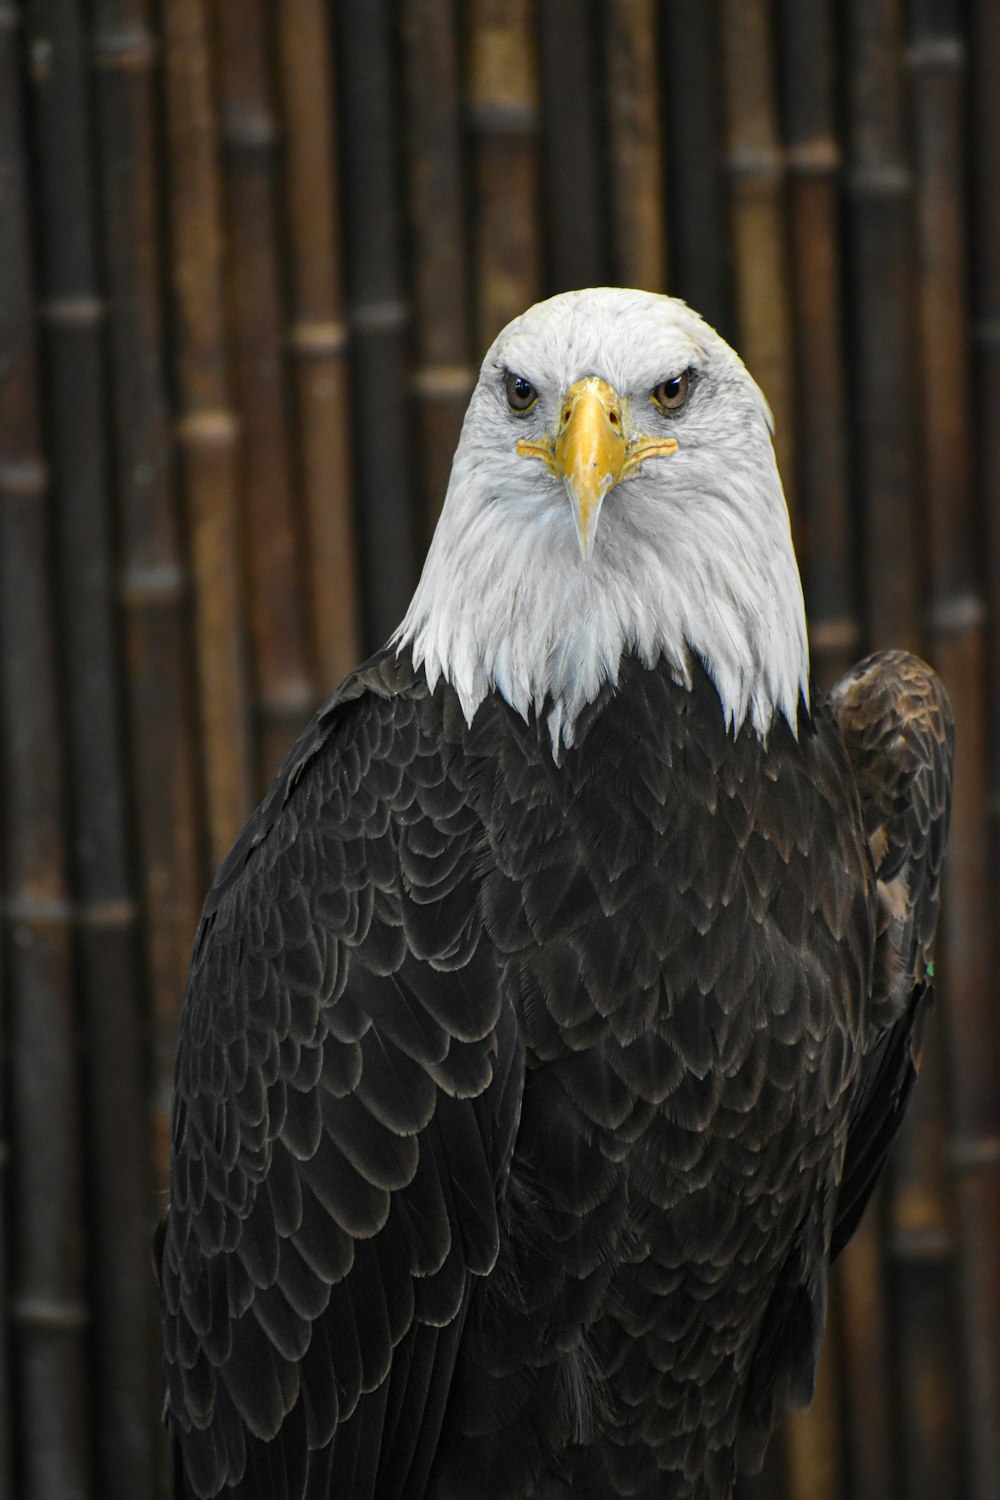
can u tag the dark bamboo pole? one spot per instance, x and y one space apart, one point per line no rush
154 580
883 318
694 136
573 197
984 137
378 313
282 672
72 317
957 632
208 429
757 181
47 1308
825 540
22 474
861 1306
444 375
318 336
984 56
636 185
503 103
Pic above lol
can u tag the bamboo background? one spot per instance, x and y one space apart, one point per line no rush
251 252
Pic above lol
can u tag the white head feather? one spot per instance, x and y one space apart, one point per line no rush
693 552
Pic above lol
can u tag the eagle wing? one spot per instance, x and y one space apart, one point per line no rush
347 1091
897 726
895 722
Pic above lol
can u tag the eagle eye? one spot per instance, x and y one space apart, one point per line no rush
670 395
521 394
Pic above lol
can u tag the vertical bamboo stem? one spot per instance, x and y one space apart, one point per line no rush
72 321
825 542
573 195
318 339
22 472
957 627
757 171
282 673
47 1309
883 321
208 430
503 101
444 376
154 581
698 232
860 1302
636 186
378 314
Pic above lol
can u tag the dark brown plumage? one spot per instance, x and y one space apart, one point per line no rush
513 1097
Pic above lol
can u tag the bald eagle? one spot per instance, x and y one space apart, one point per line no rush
549 1022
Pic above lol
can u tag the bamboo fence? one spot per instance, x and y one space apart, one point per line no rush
251 252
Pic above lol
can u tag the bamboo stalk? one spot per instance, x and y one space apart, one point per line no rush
208 430
883 319
698 228
383 447
813 1437
318 338
503 105
282 673
859 1302
573 194
636 187
957 626
444 375
21 468
984 157
47 1308
154 580
378 315
922 1252
72 320
825 540
756 186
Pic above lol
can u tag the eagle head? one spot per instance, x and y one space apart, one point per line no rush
614 491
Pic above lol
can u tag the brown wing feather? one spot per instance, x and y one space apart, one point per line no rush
896 722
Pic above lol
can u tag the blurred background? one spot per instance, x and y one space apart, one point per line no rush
251 252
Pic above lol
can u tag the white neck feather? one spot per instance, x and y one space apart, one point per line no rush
538 622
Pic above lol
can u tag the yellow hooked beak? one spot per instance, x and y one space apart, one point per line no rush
590 452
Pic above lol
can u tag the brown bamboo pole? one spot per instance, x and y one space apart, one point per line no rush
444 375
573 197
21 473
636 185
957 628
282 672
984 138
503 106
756 185
72 320
154 579
860 1303
814 1444
378 314
825 540
882 317
208 429
695 152
318 336
47 1307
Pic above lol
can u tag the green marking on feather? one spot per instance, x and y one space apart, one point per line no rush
930 969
